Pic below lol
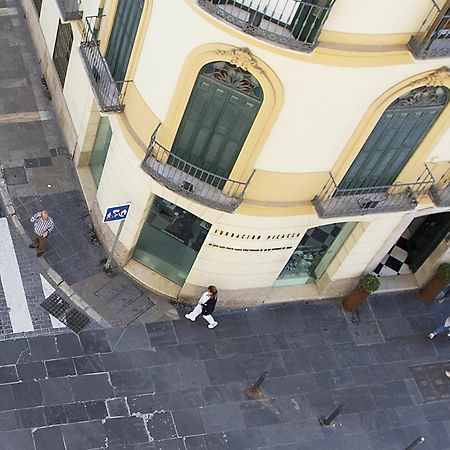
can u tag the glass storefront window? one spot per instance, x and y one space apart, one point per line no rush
314 253
170 240
100 149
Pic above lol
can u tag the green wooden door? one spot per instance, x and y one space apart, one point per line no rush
394 139
308 19
214 127
122 37
426 238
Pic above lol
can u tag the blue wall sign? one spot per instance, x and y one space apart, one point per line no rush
119 212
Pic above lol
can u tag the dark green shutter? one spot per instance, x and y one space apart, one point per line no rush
391 144
215 126
122 37
308 19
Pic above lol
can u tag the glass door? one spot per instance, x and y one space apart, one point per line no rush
100 149
170 240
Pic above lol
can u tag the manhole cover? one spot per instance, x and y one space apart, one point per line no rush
432 381
15 175
65 312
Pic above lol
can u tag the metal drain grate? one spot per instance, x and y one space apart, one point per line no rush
15 175
65 312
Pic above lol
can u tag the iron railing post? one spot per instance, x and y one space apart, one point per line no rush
190 180
433 37
275 21
109 93
334 201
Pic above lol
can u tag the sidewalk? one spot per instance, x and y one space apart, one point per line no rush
39 174
177 385
174 384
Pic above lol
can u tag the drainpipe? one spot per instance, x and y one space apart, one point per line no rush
98 20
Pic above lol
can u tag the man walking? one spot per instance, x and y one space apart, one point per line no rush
43 225
205 307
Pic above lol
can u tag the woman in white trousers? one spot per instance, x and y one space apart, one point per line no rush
205 307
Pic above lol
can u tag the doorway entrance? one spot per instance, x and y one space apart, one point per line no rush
416 244
219 115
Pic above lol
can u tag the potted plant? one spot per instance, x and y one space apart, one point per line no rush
367 284
440 280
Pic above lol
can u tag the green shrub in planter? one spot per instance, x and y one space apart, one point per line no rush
369 283
443 273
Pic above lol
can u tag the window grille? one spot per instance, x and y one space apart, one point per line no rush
63 47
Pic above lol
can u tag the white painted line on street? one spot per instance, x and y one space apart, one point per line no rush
19 117
9 11
10 83
16 300
48 290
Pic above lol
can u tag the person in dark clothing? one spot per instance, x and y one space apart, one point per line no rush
205 307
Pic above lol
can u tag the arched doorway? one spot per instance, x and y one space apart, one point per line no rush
221 110
398 133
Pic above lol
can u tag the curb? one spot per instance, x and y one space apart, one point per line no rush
51 274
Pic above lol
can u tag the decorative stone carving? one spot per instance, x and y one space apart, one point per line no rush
235 77
422 97
435 78
241 57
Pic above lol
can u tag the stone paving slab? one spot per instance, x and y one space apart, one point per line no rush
177 384
152 386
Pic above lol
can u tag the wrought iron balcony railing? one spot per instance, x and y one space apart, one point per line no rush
191 181
433 38
336 202
108 92
440 191
69 10
295 24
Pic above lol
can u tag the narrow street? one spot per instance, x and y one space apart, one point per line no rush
150 382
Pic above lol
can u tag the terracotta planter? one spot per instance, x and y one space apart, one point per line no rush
428 293
354 299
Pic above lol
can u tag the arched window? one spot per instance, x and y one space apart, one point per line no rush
219 115
393 141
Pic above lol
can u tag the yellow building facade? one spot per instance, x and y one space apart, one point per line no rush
276 149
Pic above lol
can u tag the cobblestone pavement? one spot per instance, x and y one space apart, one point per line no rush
179 385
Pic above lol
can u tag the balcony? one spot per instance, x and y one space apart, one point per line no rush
336 202
295 24
69 10
191 181
440 191
108 92
433 37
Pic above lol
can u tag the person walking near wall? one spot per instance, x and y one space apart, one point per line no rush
205 307
43 225
441 329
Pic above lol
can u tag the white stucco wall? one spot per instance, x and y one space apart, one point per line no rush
315 96
377 16
49 19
